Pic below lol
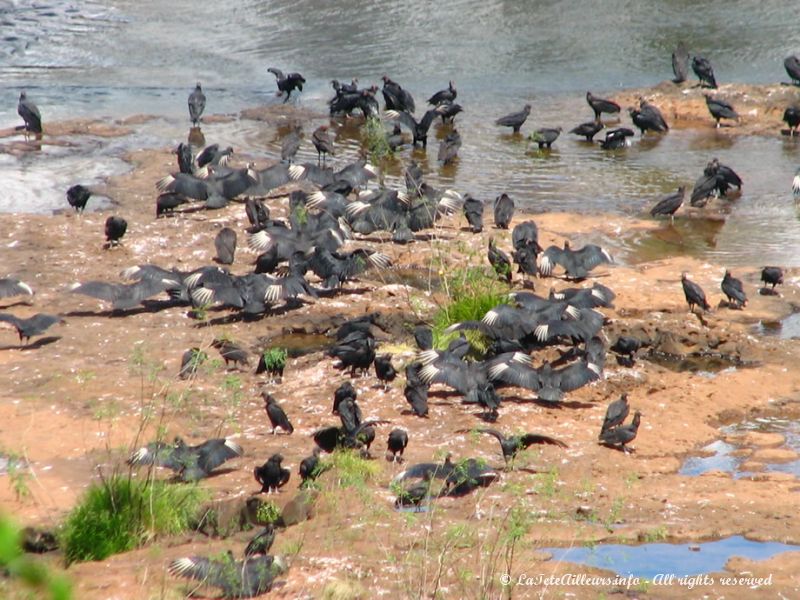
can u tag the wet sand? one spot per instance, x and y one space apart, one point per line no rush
75 404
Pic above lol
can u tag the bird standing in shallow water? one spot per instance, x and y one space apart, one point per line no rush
322 141
791 116
30 114
669 205
601 105
287 83
515 120
197 104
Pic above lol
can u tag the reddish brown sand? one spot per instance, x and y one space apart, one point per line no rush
74 408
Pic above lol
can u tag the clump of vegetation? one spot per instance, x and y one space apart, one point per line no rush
375 140
30 573
267 512
273 361
471 291
339 589
349 469
120 514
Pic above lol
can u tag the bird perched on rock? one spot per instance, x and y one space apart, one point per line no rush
619 437
515 120
616 413
231 352
322 142
115 229
601 105
792 66
30 114
733 290
14 287
720 109
225 244
271 475
473 211
499 261
262 542
190 361
276 414
35 325
772 276
511 445
680 63
695 296
669 204
287 83
396 444
545 136
197 104
702 68
77 197
503 211
247 578
190 462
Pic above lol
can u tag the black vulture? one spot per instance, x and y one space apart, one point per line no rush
503 211
396 97
648 117
702 68
384 370
214 155
669 204
772 276
680 63
616 138
185 160
322 142
733 290
190 361
720 109
620 436
444 96
122 296
262 542
77 197
356 351
115 228
448 111
588 129
473 211
423 336
247 578
626 347
582 327
791 117
257 214
467 476
277 416
396 445
526 235
336 268
310 467
190 462
416 391
515 120
549 384
291 143
287 83
545 136
616 413
14 287
792 66
511 445
30 114
35 325
694 294
167 202
499 261
601 105
197 104
271 475
363 324
576 263
231 352
470 379
448 148
225 244
597 295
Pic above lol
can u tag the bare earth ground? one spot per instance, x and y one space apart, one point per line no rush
74 406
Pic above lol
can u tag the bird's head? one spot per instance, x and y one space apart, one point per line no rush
684 276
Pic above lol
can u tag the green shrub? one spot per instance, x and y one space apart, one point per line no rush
375 140
120 514
15 565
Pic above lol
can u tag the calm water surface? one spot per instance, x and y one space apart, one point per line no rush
121 57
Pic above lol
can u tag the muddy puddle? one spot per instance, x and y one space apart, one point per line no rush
682 560
787 328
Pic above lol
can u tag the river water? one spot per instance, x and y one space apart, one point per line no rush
121 57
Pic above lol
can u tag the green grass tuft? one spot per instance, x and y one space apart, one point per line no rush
120 514
374 136
350 470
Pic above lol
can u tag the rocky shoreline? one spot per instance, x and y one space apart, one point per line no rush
76 404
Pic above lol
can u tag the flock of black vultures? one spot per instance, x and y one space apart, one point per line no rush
312 240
